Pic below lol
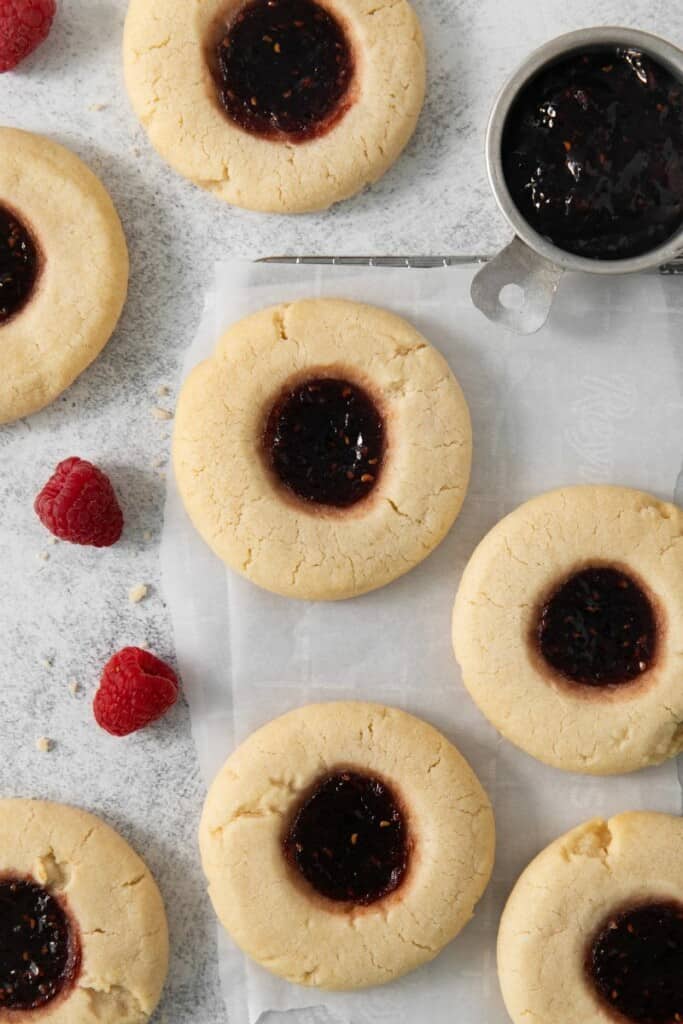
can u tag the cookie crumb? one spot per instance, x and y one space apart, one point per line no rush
47 662
159 463
52 540
161 414
44 556
163 391
74 687
44 744
98 106
138 593
147 535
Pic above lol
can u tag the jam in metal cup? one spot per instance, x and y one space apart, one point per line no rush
531 262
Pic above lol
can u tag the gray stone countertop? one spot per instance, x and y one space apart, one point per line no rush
64 614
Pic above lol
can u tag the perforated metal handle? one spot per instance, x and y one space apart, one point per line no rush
516 288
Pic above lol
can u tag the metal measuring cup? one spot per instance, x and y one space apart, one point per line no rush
530 261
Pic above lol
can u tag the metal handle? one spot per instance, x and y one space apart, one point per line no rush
516 289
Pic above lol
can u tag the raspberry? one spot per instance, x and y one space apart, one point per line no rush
78 504
24 24
136 688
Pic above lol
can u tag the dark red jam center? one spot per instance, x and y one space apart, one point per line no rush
349 839
598 629
636 964
593 153
325 441
284 67
18 265
38 955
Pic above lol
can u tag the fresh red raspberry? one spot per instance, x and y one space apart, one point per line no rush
78 504
24 24
136 688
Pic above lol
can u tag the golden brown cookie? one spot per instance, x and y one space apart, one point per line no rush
593 930
324 449
63 270
83 936
281 106
346 844
568 626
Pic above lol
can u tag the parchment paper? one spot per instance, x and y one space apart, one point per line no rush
596 396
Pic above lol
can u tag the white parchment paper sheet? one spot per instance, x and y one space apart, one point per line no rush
596 396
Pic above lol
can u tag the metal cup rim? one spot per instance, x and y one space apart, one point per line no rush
665 52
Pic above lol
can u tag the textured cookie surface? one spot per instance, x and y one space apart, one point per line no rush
565 898
514 573
279 919
112 899
304 550
83 271
168 52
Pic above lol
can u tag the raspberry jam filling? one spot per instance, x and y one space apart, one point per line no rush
39 954
18 265
593 153
324 440
349 839
598 629
635 964
284 68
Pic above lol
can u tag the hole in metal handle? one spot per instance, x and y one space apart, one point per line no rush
512 296
516 289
